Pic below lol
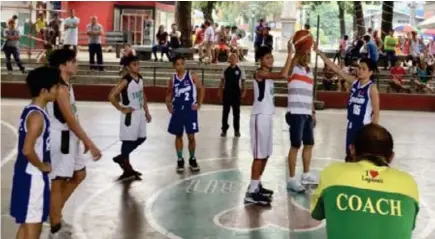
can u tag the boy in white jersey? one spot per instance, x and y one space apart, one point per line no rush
31 188
134 114
261 123
363 103
69 168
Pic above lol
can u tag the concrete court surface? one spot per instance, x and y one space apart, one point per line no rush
209 205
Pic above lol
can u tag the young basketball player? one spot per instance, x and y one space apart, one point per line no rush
134 114
30 199
300 112
68 163
183 103
363 104
261 123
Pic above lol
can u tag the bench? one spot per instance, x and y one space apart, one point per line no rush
118 39
143 52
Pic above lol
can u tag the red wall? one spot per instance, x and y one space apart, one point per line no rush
157 94
104 10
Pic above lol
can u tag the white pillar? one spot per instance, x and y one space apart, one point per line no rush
412 6
288 23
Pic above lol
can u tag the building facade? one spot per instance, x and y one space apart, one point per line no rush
141 18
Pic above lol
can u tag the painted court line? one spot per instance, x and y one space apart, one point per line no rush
13 152
79 233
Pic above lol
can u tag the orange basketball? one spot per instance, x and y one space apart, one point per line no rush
303 41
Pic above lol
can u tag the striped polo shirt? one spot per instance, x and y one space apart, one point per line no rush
300 91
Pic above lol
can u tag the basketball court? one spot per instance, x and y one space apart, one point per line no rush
209 204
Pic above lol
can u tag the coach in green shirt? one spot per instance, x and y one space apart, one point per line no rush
366 198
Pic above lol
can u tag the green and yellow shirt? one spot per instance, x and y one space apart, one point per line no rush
361 200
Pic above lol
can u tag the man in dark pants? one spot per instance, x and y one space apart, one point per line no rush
95 30
10 46
232 88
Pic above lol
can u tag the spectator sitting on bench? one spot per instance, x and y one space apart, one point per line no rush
199 36
423 78
162 44
329 79
397 74
221 49
174 37
234 45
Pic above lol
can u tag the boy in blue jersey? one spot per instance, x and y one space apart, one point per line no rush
183 103
363 103
30 186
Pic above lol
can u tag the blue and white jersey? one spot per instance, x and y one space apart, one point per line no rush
42 144
359 107
183 91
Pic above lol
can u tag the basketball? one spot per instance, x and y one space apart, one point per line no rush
303 40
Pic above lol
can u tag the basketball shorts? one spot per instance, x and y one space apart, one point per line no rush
66 154
183 119
261 129
30 198
133 126
352 130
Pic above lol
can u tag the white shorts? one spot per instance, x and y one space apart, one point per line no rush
261 128
66 154
133 128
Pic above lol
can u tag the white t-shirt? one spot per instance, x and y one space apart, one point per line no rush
414 48
71 34
209 34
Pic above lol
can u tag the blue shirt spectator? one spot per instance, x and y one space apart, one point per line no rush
259 32
372 50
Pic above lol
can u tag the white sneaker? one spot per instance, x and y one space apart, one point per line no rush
308 178
295 185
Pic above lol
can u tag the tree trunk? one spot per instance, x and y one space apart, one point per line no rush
359 14
207 11
387 18
341 17
183 10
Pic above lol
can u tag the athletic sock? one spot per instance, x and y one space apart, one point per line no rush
192 153
254 186
180 154
55 228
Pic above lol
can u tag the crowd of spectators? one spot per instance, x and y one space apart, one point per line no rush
407 59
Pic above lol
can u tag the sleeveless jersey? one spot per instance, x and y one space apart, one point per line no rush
132 95
183 91
42 144
263 97
57 120
359 107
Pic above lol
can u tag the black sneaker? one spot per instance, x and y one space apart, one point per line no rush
264 191
128 176
180 165
257 198
224 134
118 160
237 134
193 165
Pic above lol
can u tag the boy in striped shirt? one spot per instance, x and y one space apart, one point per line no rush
301 115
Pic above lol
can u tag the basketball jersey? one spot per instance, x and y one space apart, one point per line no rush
263 97
359 107
132 95
57 120
42 144
183 91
